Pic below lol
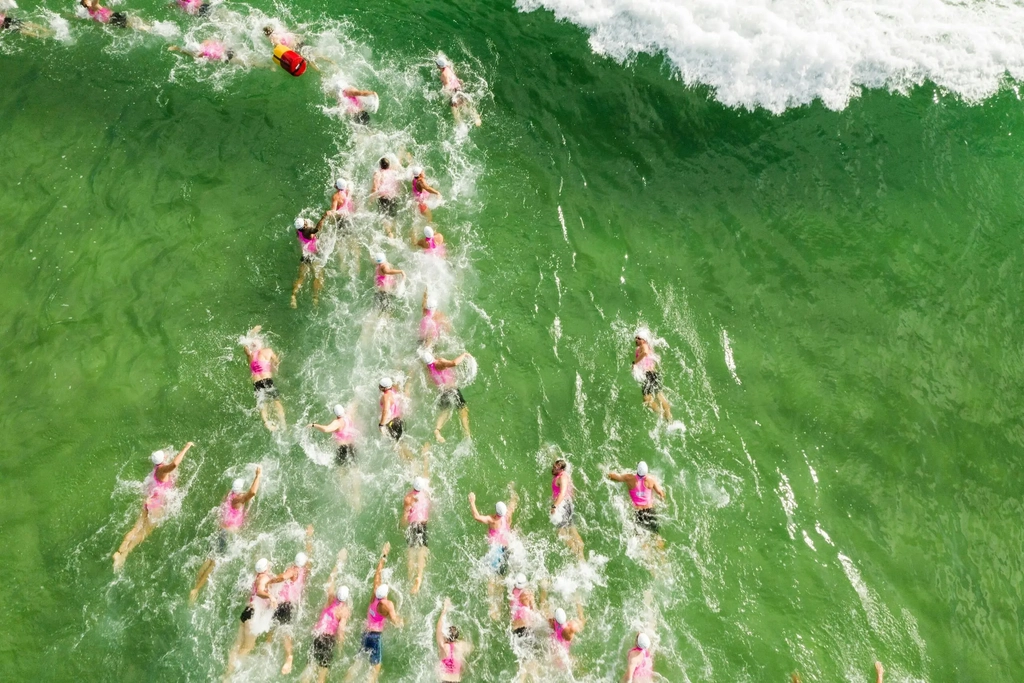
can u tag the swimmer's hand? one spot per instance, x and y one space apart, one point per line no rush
309 530
472 497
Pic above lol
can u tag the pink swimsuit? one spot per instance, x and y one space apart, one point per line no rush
644 672
450 665
308 244
328 622
429 330
420 508
435 249
190 6
347 433
346 206
647 363
499 536
374 619
559 638
450 81
556 489
393 410
101 15
158 491
291 591
231 518
640 494
520 612
384 282
256 367
442 378
212 50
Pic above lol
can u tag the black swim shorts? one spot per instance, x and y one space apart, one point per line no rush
568 516
119 19
388 206
416 535
652 383
346 454
323 649
645 518
451 398
395 428
283 613
247 614
383 301
265 389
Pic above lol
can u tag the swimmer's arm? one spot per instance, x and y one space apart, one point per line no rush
439 631
392 271
342 555
632 661
173 465
444 364
476 513
251 493
393 615
656 485
428 188
615 476
563 492
377 576
423 306
513 500
331 426
309 543
346 612
406 504
353 92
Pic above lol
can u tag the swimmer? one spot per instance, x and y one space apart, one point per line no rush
563 632
282 37
385 190
232 518
263 363
307 233
640 661
420 190
384 281
499 536
25 28
329 631
645 370
391 409
211 50
433 323
451 86
563 512
439 371
105 15
641 484
354 107
523 613
289 596
415 512
377 615
159 488
341 212
879 672
197 8
343 428
432 243
257 617
453 650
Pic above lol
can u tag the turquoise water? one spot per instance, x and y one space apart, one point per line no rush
847 493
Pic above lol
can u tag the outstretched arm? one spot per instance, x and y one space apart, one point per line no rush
378 575
439 634
331 426
476 513
615 476
513 500
342 555
173 465
656 485
251 493
352 92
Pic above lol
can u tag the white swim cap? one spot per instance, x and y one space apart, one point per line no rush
521 581
560 617
339 410
157 458
385 382
641 469
341 184
300 223
238 485
416 171
301 559
426 356
441 62
382 591
431 304
643 642
342 593
500 509
428 232
380 257
419 483
262 565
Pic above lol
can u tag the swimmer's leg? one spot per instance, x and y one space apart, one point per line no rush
204 574
494 598
441 420
303 271
375 673
288 655
135 536
321 675
410 564
236 650
464 419
421 564
403 450
279 409
666 408
651 405
318 284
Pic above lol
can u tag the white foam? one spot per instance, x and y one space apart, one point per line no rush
779 54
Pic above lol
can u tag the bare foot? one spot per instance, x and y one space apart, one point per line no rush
416 585
118 562
287 668
437 435
193 594
295 304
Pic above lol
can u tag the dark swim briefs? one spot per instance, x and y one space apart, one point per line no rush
283 613
388 206
372 645
265 389
395 428
652 383
645 518
346 454
323 649
451 398
247 614
119 19
568 516
416 535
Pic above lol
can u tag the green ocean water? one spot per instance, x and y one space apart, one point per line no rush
850 492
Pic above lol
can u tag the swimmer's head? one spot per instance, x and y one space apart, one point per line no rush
642 469
238 485
643 641
385 163
561 618
382 592
301 559
643 334
268 30
157 458
500 509
417 171
342 594
428 232
431 304
426 356
380 257
558 467
385 383
339 410
262 565
419 484
341 184
300 223
521 582
441 62
453 634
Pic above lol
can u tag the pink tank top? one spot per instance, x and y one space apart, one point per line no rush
347 433
556 489
644 671
212 50
420 508
451 665
158 490
428 328
393 410
451 81
434 248
101 15
252 594
291 591
442 378
256 367
308 243
647 363
231 518
190 6
346 206
383 281
520 612
558 636
499 536
374 619
327 624
640 494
